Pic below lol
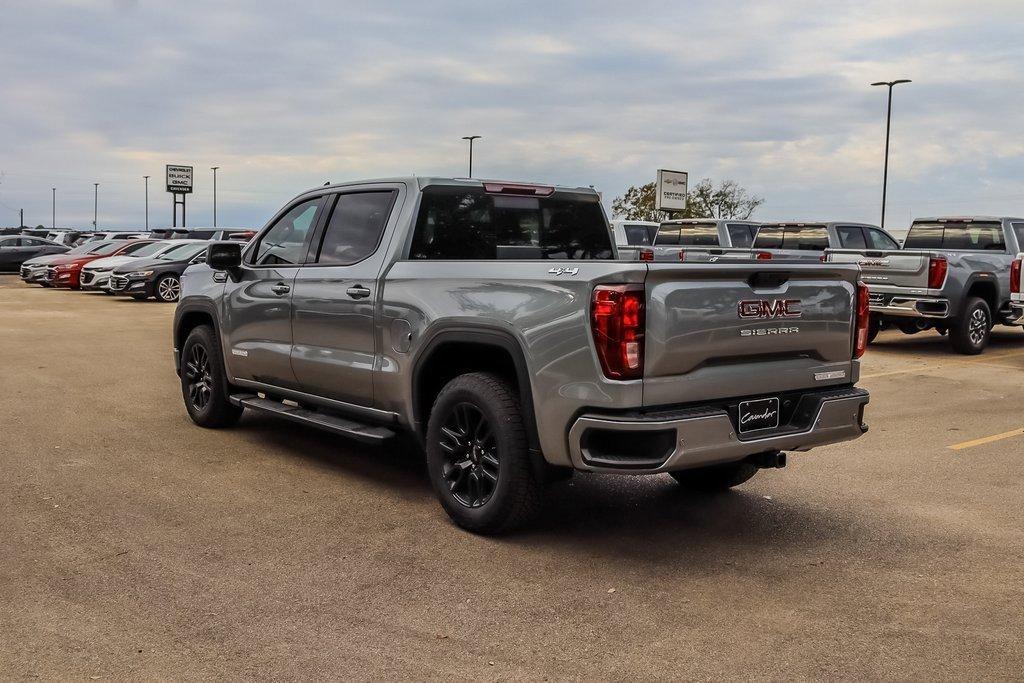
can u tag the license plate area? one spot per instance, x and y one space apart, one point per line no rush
758 415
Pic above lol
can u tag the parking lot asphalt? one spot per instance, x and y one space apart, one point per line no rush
136 545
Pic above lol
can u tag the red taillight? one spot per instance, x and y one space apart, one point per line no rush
1015 269
823 258
520 189
617 323
682 254
862 320
646 255
936 272
764 256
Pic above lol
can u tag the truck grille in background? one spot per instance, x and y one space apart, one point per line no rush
118 282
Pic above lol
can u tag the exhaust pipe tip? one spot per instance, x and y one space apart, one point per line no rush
768 460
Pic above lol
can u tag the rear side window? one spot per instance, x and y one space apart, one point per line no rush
284 243
355 227
667 234
1018 230
459 223
956 236
741 235
798 237
700 235
880 240
638 234
851 237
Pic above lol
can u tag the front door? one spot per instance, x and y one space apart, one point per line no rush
334 299
257 315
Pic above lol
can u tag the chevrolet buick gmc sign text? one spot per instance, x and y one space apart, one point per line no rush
179 179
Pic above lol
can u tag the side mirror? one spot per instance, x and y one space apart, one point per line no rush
224 255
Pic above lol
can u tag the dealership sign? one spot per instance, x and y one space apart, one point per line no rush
179 179
670 194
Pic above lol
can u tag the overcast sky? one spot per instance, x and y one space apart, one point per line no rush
287 95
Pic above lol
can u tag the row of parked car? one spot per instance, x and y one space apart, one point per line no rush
959 275
139 265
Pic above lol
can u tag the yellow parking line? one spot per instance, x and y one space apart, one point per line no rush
985 439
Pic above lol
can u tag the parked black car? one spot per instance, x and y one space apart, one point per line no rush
159 276
16 249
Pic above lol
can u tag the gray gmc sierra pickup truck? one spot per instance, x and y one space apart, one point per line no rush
953 274
491 322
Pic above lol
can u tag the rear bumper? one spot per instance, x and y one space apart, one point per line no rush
685 438
911 307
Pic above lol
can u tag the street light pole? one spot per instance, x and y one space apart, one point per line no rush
214 169
95 203
146 178
471 138
53 208
888 122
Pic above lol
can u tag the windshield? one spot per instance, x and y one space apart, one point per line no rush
86 248
151 249
688 234
797 237
457 223
960 236
108 248
182 252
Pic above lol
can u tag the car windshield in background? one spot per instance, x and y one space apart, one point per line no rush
639 234
691 235
960 236
107 248
796 237
151 249
183 252
86 248
460 223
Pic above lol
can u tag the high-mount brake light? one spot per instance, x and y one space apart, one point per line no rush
1015 271
617 325
863 318
937 266
519 189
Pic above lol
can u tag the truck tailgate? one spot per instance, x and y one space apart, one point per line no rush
890 268
728 330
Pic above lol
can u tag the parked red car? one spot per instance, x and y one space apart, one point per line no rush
65 271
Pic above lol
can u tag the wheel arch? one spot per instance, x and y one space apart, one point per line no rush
983 285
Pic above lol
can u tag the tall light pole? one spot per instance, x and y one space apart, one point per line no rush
471 138
146 178
53 209
95 203
888 122
214 169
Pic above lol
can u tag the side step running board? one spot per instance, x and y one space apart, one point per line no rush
331 423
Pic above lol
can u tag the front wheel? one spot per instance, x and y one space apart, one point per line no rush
168 288
970 334
204 381
716 477
478 457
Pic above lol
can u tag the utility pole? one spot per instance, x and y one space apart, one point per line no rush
146 177
53 210
471 138
95 204
888 121
21 219
214 169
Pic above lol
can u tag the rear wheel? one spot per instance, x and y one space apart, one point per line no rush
716 477
168 288
204 385
478 457
971 332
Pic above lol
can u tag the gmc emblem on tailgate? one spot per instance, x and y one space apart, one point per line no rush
765 309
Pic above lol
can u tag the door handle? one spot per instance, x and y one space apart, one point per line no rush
358 292
280 288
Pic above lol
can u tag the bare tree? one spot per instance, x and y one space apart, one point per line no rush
704 200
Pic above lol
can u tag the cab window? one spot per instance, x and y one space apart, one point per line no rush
851 237
355 227
879 240
741 235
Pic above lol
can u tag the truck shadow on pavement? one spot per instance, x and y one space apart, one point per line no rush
931 343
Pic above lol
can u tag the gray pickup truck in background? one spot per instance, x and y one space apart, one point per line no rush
632 236
807 241
684 239
491 323
953 274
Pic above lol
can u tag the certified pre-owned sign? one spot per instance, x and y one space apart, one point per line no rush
671 191
179 179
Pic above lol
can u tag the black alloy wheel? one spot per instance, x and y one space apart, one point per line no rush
198 377
471 466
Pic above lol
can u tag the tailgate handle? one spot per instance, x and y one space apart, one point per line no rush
768 280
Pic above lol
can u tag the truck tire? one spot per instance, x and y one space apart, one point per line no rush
204 385
478 457
716 477
970 333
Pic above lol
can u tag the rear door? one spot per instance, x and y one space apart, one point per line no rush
334 298
725 330
257 312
